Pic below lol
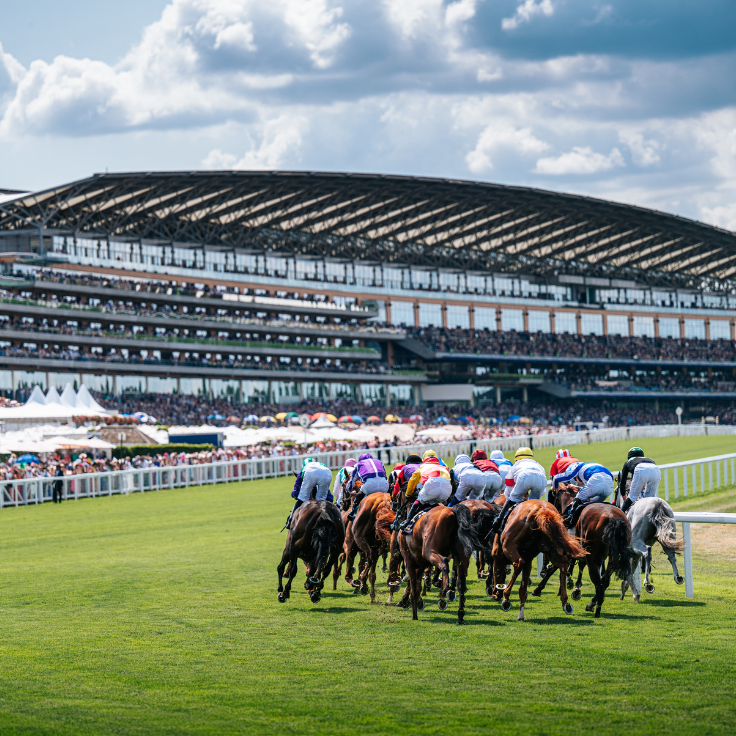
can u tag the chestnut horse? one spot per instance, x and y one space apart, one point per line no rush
440 535
371 531
605 533
533 527
316 536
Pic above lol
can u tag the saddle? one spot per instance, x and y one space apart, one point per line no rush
409 529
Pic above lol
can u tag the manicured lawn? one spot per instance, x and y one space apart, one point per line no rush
157 613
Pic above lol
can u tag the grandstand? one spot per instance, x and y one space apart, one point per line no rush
280 288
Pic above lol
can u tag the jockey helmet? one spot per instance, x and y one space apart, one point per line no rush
351 462
497 455
523 452
562 453
479 455
635 452
413 459
365 456
429 453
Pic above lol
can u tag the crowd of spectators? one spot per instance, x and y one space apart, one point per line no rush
487 342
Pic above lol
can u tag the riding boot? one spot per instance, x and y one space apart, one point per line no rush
501 518
296 506
413 511
627 504
359 496
573 512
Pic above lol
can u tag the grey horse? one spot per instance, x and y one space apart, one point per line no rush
652 520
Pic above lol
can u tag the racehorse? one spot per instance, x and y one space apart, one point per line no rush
605 533
371 531
652 520
533 527
440 535
316 536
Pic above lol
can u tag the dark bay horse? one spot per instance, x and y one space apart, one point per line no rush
371 531
605 533
533 527
482 523
316 536
440 535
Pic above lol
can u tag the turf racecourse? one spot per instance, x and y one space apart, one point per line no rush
157 613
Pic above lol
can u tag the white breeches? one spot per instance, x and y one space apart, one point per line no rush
319 478
435 490
532 482
494 485
374 485
599 484
645 481
471 485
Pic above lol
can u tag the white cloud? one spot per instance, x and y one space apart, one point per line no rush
581 160
644 152
280 144
525 11
722 216
503 137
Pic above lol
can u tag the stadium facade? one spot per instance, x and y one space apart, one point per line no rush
282 286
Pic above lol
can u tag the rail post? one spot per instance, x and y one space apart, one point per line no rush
689 592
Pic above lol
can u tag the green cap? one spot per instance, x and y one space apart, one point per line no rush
636 452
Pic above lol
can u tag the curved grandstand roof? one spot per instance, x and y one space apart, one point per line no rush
408 220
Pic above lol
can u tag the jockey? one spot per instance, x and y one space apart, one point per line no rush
468 480
526 476
313 476
645 477
563 460
341 479
494 481
504 465
432 480
402 474
371 475
597 482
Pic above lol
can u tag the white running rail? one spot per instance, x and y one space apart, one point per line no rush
700 517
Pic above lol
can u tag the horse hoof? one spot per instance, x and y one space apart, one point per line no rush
451 596
500 586
282 598
679 579
649 588
576 595
315 597
364 590
442 604
590 607
420 605
355 583
489 592
570 584
567 608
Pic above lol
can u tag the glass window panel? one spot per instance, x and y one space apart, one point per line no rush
458 316
255 391
643 326
315 390
695 329
539 321
512 319
373 392
401 394
402 313
131 384
344 391
591 324
566 323
720 329
669 327
103 384
220 388
430 315
617 324
485 318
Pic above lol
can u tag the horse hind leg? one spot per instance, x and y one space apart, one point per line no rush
281 568
462 588
338 569
673 561
597 600
547 572
577 593
292 575
384 567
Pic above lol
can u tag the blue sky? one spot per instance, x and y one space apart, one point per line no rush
633 100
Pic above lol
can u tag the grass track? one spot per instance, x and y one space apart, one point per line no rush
157 613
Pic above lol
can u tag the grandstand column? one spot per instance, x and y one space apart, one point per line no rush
525 394
631 325
707 331
733 332
471 314
682 328
526 323
552 322
416 314
578 323
656 325
444 315
498 319
390 354
498 395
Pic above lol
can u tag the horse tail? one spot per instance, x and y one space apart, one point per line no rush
482 524
666 528
550 523
323 537
466 534
384 518
617 536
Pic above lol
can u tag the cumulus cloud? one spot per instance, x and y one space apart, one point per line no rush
644 151
581 160
526 11
495 138
280 144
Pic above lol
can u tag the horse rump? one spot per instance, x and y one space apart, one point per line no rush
323 538
617 536
664 523
550 524
466 533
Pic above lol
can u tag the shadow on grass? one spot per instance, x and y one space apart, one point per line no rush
334 609
663 603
